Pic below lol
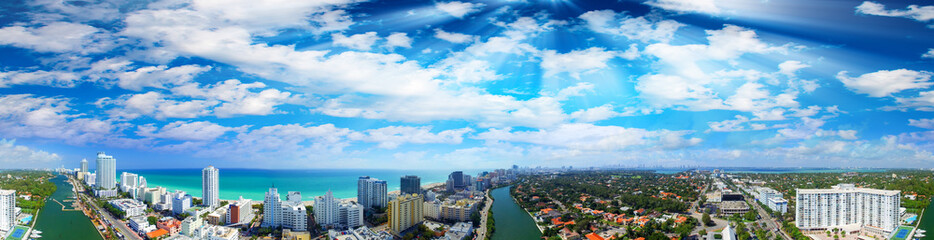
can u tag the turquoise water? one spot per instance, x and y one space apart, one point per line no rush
56 224
253 183
510 220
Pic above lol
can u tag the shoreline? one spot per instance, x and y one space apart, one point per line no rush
351 199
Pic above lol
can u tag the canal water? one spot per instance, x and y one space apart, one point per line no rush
512 223
927 222
56 224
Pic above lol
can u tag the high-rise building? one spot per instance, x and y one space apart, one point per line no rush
84 165
141 189
458 211
410 184
844 204
271 208
351 214
128 182
371 192
326 210
288 214
457 180
7 209
239 211
404 212
106 172
210 192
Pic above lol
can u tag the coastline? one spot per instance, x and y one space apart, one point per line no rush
352 199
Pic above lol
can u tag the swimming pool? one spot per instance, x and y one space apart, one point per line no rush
911 219
26 220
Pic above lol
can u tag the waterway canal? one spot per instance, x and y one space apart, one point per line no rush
56 224
512 223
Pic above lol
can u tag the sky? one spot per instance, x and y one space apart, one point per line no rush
284 84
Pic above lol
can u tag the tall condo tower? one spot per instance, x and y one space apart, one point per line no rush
106 178
210 192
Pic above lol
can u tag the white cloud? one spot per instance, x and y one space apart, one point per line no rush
62 79
27 116
594 114
588 137
58 37
576 62
179 130
698 6
398 39
459 9
918 13
267 17
363 41
454 37
393 136
788 68
683 82
922 123
886 82
159 76
929 54
224 99
17 156
640 28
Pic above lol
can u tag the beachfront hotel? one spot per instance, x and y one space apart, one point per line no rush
331 212
371 192
7 209
874 210
210 192
404 212
288 214
106 175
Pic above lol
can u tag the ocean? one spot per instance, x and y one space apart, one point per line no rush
253 183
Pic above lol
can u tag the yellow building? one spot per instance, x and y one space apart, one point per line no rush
290 235
458 211
404 212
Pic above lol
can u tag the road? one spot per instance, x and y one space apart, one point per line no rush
770 222
488 202
117 224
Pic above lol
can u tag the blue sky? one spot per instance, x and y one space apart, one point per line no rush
473 84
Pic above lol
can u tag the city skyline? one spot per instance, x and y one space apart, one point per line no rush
467 84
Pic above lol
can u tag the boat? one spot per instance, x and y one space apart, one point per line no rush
921 231
37 231
919 234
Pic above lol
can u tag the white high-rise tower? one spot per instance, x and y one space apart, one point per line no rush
7 212
84 165
210 192
106 178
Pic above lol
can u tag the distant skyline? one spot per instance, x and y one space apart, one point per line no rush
467 84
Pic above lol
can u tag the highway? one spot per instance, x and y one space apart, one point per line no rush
117 224
488 202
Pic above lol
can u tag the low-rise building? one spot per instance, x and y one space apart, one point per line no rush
131 207
459 231
141 225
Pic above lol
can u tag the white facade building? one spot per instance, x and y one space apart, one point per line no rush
7 209
131 207
209 187
327 212
84 165
181 202
106 172
351 214
240 211
289 214
772 199
129 182
877 211
432 210
141 189
141 225
372 192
